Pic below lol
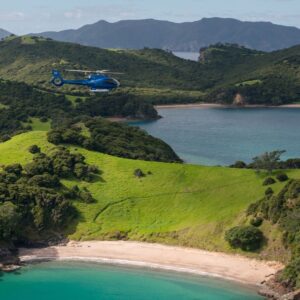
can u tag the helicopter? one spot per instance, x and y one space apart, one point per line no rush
98 81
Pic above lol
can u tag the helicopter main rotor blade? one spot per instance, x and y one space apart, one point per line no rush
103 71
80 71
96 72
108 72
116 73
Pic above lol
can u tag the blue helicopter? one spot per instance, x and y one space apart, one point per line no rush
98 81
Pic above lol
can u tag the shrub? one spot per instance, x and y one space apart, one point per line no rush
269 191
86 196
239 165
282 177
291 164
269 181
291 274
248 238
139 173
5 138
54 137
257 221
14 169
44 119
34 149
45 180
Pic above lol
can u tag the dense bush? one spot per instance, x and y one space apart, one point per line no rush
117 104
24 101
290 276
239 165
282 177
33 201
115 139
269 192
9 221
269 90
248 238
284 211
293 163
256 221
269 181
63 164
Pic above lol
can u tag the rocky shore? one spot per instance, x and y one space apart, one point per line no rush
271 289
9 260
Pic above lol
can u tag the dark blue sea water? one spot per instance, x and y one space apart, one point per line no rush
85 281
221 136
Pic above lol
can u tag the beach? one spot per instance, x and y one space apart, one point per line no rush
157 256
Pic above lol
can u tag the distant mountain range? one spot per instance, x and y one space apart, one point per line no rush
4 33
189 36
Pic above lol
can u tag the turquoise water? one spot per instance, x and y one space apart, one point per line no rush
86 281
221 136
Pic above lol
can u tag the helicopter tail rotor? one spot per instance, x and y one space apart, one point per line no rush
57 79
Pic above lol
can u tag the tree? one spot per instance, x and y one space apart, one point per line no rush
15 169
239 165
248 238
268 161
34 149
9 220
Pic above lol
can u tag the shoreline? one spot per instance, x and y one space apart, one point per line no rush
160 257
215 105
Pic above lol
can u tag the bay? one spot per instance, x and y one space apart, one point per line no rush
221 136
90 281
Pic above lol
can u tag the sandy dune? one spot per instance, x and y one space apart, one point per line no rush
188 260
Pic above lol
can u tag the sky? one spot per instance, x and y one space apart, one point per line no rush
28 16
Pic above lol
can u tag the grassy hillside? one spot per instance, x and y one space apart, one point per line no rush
150 73
32 59
176 204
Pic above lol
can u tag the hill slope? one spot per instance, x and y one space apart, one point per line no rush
4 33
176 204
32 59
189 36
159 76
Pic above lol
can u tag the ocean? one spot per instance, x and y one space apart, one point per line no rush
90 281
221 136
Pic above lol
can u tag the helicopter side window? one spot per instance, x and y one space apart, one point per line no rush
111 81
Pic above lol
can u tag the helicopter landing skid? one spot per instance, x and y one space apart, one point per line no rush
99 91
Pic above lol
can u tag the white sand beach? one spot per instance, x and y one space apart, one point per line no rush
187 260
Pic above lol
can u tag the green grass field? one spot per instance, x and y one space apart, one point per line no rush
177 204
2 106
37 125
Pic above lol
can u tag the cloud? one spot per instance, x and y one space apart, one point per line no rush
12 16
74 14
110 12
